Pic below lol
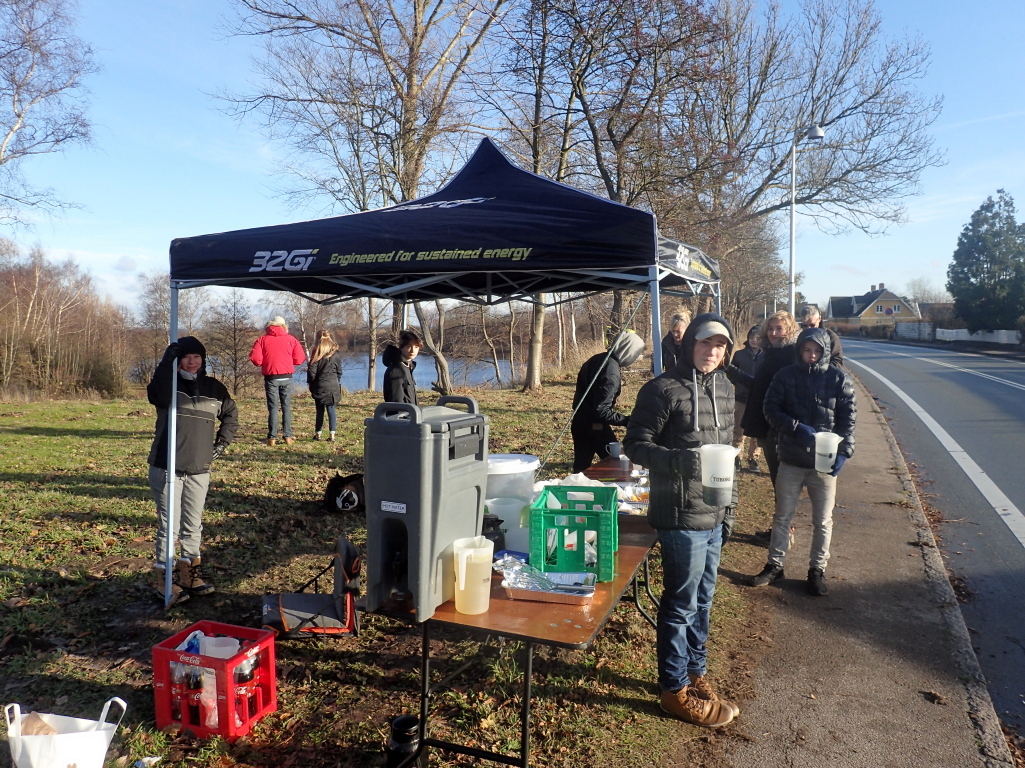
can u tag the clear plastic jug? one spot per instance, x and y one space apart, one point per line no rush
717 474
826 444
472 559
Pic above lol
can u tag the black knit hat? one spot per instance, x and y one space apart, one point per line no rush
190 345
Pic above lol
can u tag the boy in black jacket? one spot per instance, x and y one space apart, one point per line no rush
807 397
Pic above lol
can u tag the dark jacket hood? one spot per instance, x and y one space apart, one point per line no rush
392 355
820 337
686 362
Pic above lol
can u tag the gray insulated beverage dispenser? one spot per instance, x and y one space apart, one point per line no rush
425 472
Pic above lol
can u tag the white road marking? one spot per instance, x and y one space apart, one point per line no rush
981 375
1002 505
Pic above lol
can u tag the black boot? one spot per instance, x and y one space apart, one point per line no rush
817 586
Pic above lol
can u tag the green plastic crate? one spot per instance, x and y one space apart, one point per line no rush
580 509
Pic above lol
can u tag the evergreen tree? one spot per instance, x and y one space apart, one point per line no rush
987 275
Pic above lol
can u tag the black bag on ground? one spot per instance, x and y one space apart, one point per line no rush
312 612
344 493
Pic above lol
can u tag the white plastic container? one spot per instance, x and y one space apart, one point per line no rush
826 444
717 474
511 480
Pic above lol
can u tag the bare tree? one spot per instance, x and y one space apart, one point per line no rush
833 66
230 330
434 340
42 68
922 290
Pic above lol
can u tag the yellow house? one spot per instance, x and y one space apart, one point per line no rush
878 307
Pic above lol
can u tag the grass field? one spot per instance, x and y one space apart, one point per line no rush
78 620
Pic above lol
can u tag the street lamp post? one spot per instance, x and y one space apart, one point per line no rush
814 132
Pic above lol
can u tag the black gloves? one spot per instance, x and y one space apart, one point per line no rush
805 435
218 450
174 350
728 523
687 463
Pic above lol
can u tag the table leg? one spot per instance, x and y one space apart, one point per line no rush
647 588
528 674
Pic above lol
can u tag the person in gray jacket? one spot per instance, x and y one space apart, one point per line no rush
805 398
686 407
201 402
595 401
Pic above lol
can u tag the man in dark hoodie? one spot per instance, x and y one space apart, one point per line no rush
400 362
599 383
201 401
686 407
807 397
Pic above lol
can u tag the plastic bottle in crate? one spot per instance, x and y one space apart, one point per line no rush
194 695
177 691
246 680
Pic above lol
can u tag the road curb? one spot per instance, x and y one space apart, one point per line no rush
993 745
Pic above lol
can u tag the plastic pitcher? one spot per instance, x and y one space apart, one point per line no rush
826 444
717 474
473 558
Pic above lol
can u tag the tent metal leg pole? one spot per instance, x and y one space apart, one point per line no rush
172 442
656 321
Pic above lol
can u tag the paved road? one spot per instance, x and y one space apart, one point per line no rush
960 420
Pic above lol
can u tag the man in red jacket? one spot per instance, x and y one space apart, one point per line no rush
277 354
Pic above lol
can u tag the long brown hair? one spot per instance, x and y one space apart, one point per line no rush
325 346
791 326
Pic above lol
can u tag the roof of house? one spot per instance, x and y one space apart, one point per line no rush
855 306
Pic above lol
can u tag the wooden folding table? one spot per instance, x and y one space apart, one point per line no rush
538 623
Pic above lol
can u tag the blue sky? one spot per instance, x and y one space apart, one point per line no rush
167 162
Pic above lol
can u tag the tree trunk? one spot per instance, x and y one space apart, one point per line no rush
491 344
535 357
443 386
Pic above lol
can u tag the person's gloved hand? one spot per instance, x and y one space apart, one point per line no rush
805 435
174 350
728 523
687 463
838 464
219 450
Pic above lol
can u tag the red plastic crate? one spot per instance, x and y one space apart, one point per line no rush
239 705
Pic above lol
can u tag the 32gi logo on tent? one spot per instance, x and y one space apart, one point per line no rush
279 261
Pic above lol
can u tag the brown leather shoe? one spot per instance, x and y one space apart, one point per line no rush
690 709
700 688
271 442
289 440
159 577
190 579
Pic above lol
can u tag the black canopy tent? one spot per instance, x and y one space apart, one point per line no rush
495 233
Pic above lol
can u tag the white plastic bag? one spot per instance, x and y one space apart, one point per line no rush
79 743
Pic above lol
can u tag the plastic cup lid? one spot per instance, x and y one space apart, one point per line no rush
511 463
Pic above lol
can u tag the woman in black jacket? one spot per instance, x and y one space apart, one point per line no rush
324 375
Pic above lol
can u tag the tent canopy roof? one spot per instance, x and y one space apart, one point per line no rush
494 233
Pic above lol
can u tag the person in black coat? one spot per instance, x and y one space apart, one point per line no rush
323 374
594 402
672 343
747 359
399 383
804 399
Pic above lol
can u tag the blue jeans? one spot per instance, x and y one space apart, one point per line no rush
690 560
278 390
332 417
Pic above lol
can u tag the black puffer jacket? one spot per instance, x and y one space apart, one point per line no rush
774 359
747 360
820 395
679 410
399 384
324 378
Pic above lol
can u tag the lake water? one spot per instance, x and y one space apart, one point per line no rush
463 373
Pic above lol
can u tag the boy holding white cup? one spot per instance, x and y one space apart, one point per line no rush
807 397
